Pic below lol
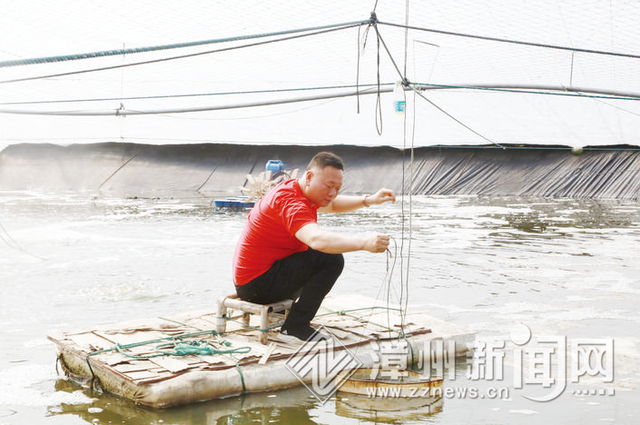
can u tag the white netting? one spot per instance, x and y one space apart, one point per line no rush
320 63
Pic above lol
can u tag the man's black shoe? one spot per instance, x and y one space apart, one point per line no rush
302 335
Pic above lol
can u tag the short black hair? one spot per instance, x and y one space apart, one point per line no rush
326 159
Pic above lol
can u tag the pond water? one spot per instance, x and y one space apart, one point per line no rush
553 267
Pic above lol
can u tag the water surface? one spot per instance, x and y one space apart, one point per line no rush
559 266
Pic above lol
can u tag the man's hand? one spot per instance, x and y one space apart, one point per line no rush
376 242
381 196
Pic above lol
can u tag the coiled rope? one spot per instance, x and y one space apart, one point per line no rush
182 345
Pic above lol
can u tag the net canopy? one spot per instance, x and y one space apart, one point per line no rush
317 73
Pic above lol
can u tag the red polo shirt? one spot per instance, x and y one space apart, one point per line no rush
269 233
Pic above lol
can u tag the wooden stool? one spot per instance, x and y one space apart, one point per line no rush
235 303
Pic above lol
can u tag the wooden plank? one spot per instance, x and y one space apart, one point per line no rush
240 341
112 358
268 353
172 364
132 337
89 342
198 324
134 366
143 374
217 360
338 333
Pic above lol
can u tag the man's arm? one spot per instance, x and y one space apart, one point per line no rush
346 203
336 243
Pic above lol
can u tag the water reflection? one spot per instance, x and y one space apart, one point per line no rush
269 415
530 223
290 406
536 215
388 411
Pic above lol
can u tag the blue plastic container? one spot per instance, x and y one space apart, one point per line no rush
275 166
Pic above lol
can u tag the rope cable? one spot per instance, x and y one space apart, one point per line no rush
117 170
12 243
581 92
411 188
189 55
176 96
517 42
123 51
406 37
378 107
358 74
125 112
456 119
406 83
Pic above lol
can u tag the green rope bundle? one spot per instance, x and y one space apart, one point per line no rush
182 345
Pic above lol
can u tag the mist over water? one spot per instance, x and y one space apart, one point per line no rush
72 260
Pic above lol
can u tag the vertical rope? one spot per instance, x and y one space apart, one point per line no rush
378 96
404 268
404 279
358 73
123 116
406 38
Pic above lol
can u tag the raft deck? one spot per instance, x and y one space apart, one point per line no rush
132 358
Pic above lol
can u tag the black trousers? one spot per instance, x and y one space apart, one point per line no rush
310 273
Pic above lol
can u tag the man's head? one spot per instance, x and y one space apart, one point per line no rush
326 159
323 178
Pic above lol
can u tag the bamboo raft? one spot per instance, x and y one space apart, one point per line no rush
170 361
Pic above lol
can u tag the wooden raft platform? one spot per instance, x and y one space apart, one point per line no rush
124 360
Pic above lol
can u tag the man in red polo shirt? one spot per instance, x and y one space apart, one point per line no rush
282 251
